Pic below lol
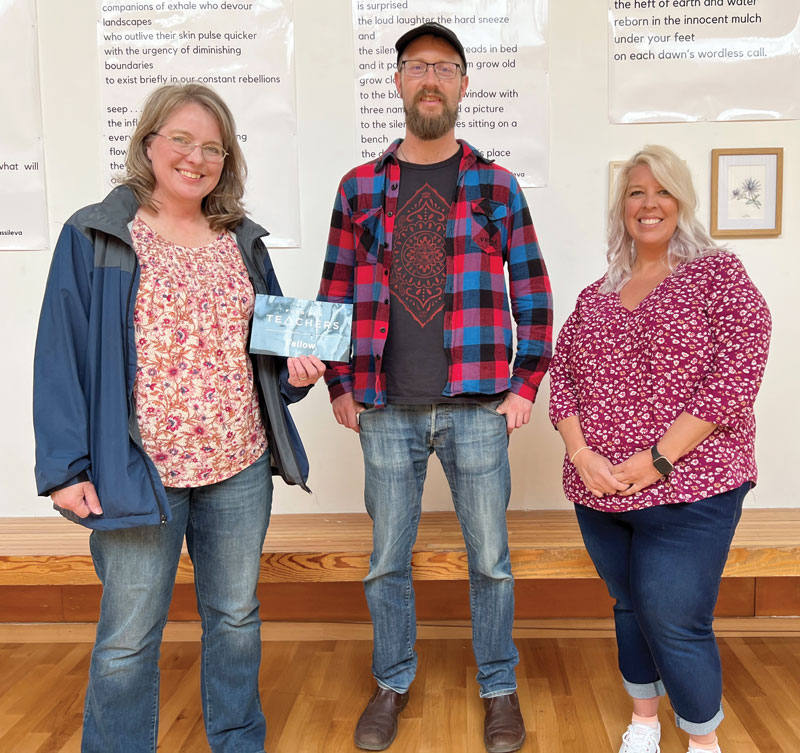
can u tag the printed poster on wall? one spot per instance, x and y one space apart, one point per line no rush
245 51
691 60
23 221
505 110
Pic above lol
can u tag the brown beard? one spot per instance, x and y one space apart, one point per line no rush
430 127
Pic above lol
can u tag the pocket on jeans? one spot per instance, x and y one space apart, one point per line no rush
366 412
491 406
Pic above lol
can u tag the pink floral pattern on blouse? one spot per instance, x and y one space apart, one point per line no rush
196 401
697 343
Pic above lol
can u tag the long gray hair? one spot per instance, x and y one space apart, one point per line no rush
690 238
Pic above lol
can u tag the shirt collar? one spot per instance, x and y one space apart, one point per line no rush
469 157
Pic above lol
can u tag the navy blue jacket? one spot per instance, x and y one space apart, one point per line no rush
85 365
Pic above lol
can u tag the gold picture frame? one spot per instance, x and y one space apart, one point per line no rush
746 192
614 168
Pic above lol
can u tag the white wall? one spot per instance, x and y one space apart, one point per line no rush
569 215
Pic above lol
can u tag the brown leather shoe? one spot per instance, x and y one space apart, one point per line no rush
503 728
377 727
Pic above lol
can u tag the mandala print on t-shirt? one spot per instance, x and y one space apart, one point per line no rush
419 262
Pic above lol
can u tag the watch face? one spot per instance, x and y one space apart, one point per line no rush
663 466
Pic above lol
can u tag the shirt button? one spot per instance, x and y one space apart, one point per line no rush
382 330
394 186
389 214
385 272
386 300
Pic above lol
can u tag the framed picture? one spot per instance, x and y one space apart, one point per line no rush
746 192
614 169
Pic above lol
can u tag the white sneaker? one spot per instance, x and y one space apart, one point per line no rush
641 738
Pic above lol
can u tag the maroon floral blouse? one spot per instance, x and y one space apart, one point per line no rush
196 401
697 343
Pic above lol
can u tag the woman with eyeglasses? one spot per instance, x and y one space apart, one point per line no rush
153 422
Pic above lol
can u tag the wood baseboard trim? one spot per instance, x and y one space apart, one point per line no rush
84 632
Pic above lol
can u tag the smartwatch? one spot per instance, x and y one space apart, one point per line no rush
661 463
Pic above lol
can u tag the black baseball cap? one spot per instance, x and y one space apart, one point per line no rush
432 29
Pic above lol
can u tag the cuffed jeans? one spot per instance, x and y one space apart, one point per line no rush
472 445
224 525
663 565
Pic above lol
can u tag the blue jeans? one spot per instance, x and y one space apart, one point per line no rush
472 446
663 565
224 525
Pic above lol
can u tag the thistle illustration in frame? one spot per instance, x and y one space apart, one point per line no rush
746 192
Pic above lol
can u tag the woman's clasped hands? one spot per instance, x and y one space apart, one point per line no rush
636 473
601 477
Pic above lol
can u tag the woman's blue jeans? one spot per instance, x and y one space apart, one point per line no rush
224 525
472 445
663 565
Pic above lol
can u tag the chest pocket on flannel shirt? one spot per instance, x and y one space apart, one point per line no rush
487 224
368 234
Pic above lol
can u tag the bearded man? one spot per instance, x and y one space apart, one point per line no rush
419 242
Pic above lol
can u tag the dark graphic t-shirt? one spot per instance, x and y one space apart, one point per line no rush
415 362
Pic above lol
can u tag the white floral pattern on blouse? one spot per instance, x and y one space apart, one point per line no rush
697 343
196 401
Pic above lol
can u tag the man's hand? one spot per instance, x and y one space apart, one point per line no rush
79 498
637 472
346 410
304 370
516 409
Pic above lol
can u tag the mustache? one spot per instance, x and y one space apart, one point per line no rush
426 92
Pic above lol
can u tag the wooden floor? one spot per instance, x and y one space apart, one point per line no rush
313 692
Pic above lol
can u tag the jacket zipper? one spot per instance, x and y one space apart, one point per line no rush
258 268
140 450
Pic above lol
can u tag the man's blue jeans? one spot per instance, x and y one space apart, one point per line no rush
224 525
472 446
663 565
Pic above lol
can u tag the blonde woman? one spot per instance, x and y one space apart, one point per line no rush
652 388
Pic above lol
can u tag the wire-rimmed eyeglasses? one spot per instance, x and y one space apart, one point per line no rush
211 152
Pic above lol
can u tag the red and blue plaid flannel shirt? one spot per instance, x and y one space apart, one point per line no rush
489 226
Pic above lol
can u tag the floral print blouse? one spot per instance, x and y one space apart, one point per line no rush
697 343
196 400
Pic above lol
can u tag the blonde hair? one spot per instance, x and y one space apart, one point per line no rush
690 238
223 206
